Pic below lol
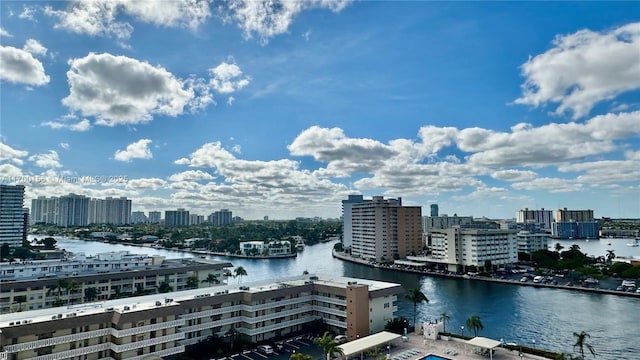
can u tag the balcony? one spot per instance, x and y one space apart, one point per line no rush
160 354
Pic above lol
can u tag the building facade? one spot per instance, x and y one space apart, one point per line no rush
155 217
46 283
541 216
529 242
162 325
347 228
565 215
384 230
12 215
178 217
430 223
266 248
221 217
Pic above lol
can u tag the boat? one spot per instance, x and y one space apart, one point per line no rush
636 243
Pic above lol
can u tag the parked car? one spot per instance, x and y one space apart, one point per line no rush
265 349
340 339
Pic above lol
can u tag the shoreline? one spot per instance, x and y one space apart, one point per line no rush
348 258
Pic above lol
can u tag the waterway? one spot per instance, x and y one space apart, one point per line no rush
540 317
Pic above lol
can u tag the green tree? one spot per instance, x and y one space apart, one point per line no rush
416 296
300 356
231 334
20 299
192 282
328 346
397 325
581 343
474 323
72 288
211 279
559 247
165 287
90 293
227 274
49 243
444 317
240 272
610 256
61 286
5 251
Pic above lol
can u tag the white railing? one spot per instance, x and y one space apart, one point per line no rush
329 300
75 352
145 343
147 328
57 340
250 308
160 354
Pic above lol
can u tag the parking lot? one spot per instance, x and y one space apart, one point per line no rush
299 344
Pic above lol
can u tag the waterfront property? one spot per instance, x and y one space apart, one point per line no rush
163 324
274 247
40 284
454 249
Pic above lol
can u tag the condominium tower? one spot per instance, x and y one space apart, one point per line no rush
383 229
11 215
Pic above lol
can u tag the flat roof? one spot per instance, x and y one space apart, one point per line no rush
483 342
368 342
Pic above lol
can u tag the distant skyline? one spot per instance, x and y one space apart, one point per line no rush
283 109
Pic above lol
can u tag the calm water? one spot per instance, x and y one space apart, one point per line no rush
510 312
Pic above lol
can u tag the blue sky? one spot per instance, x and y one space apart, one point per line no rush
284 108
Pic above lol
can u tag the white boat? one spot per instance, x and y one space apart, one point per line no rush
636 243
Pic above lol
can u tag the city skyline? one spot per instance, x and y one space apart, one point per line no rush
284 109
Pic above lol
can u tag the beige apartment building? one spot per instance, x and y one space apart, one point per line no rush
162 325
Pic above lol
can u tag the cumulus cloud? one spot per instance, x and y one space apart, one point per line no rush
104 17
270 18
137 150
4 33
513 175
8 171
80 126
145 184
7 153
28 13
583 69
227 78
47 160
120 90
34 47
549 184
191 175
20 67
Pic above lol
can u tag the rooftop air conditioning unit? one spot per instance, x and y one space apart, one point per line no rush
158 303
126 308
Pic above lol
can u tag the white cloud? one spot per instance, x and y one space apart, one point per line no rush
583 69
227 78
514 175
549 184
120 90
270 18
145 184
64 145
100 17
4 33
19 66
48 160
80 126
182 161
7 153
34 47
191 175
137 150
28 13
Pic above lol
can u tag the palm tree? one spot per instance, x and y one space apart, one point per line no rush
300 356
227 274
240 272
328 346
60 286
416 296
581 343
473 322
445 317
610 256
90 293
211 279
559 247
72 288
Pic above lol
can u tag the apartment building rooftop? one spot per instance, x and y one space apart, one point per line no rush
143 303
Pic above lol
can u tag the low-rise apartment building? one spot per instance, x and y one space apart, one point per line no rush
33 285
162 325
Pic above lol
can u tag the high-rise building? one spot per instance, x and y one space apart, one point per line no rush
541 216
383 229
178 217
73 210
430 223
347 227
155 217
11 215
195 219
138 217
116 211
44 210
563 215
222 217
434 210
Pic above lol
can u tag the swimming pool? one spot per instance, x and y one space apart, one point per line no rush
434 357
